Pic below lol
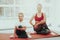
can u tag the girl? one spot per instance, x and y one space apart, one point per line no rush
21 27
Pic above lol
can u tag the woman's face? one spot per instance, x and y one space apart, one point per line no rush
39 7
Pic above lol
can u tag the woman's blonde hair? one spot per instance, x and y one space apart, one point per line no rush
40 5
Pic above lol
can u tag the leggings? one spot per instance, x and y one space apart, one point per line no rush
21 34
42 29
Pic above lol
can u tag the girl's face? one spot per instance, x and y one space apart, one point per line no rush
21 17
39 7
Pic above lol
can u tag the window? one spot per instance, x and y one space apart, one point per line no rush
7 8
1 9
2 2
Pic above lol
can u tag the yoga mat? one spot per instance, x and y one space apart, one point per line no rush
52 34
37 36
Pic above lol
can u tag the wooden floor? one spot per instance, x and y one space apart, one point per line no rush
7 37
4 36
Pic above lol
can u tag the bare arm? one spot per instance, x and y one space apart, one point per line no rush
31 20
23 28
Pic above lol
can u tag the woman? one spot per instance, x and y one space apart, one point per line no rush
40 22
21 27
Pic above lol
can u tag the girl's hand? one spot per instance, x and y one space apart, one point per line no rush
21 29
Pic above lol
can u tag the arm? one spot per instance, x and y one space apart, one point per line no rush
23 28
31 21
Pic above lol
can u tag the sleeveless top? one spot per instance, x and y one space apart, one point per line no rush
39 18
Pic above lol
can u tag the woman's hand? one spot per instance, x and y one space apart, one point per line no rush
36 26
